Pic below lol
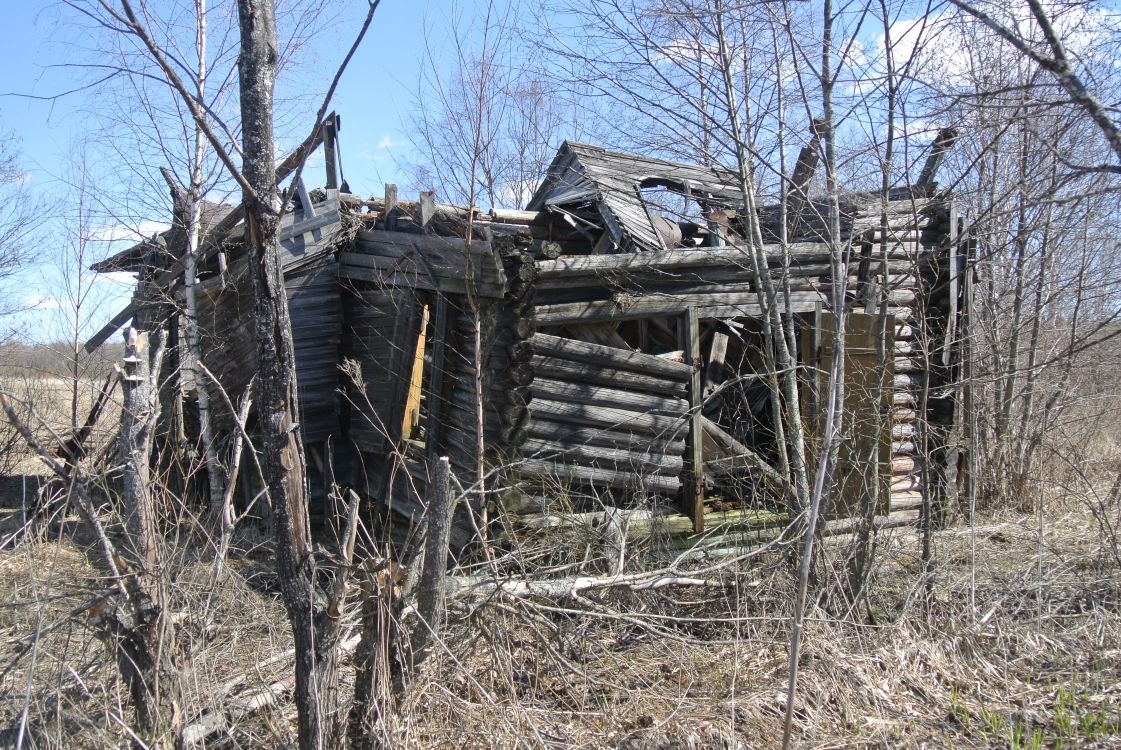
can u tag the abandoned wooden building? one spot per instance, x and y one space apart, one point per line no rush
602 347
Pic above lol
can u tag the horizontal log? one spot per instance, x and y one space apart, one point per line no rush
609 356
603 477
900 274
565 434
594 395
601 416
569 371
902 431
709 307
902 465
614 458
665 261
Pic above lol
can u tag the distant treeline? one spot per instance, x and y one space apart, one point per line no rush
56 360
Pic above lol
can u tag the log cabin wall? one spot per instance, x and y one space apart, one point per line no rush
617 352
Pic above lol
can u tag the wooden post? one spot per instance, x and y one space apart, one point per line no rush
427 209
330 134
390 207
718 352
692 490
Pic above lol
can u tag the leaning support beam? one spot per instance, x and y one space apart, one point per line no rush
692 486
942 144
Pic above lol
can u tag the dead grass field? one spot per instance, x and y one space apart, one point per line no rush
1021 649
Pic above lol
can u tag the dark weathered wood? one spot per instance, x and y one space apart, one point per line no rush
667 261
804 170
692 485
601 416
434 393
331 126
567 370
581 393
639 461
709 307
567 434
596 354
566 473
943 142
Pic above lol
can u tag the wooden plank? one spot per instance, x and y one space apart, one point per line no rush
717 352
693 493
427 208
641 461
670 260
331 126
412 401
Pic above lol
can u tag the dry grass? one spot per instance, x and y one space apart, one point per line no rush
1021 648
1035 663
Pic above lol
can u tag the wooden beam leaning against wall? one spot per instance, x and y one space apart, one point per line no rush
692 486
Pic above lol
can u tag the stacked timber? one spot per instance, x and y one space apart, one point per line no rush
906 228
719 282
605 416
423 261
511 352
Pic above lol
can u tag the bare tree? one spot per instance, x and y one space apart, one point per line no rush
20 215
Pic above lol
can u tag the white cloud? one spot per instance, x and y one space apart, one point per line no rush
115 278
131 232
386 142
41 302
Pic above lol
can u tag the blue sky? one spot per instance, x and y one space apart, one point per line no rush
372 99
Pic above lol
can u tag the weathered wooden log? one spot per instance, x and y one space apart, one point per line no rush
692 279
566 473
902 431
520 351
673 260
902 465
736 456
710 306
564 433
581 372
597 354
592 395
604 457
602 416
908 380
901 415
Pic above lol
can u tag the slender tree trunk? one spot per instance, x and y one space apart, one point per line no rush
193 216
313 629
